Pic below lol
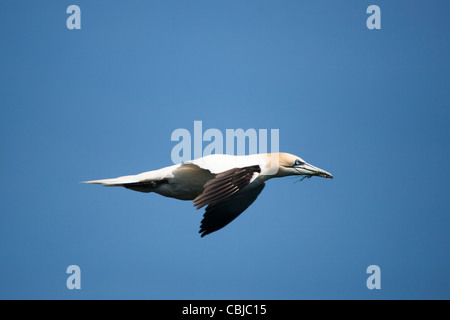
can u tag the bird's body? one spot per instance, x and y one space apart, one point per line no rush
226 184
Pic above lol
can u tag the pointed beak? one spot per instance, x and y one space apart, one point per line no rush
309 169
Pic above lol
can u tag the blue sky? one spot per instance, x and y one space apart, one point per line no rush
370 106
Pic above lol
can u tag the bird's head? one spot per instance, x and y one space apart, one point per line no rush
289 165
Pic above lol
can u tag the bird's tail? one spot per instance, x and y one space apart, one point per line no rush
115 182
143 182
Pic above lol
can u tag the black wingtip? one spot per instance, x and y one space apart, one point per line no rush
203 232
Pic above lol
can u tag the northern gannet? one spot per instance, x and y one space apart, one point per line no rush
225 184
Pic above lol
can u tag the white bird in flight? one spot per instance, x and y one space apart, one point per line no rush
225 184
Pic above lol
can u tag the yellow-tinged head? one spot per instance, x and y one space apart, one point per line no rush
289 165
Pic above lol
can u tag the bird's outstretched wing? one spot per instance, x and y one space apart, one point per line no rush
225 184
219 214
227 196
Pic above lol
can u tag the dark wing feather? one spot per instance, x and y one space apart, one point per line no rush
219 214
224 185
145 186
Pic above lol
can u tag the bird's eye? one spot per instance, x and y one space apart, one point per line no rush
298 162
